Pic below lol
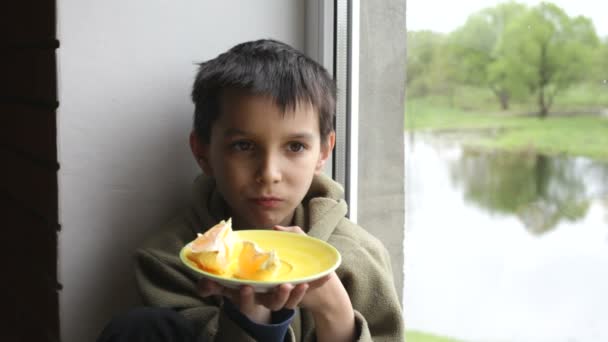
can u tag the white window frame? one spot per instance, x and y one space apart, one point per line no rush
332 39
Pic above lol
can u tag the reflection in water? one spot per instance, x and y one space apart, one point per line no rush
540 190
505 247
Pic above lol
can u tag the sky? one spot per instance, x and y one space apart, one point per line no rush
447 15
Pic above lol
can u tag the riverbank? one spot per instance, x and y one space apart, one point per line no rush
418 336
573 135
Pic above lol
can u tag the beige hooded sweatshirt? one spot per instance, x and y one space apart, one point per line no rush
365 270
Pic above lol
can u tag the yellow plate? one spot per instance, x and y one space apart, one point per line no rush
303 259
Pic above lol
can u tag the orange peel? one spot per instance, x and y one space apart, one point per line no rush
215 250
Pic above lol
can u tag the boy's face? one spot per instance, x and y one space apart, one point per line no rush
263 160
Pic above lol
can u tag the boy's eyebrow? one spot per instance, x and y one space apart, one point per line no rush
303 136
232 132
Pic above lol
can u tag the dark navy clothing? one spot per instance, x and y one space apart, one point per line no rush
150 324
275 331
145 324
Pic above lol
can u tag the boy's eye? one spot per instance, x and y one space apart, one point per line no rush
242 146
296 147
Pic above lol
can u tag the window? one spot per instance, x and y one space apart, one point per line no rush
507 173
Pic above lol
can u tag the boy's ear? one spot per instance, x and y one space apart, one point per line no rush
200 151
326 149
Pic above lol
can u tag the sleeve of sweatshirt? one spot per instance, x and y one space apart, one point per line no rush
273 332
367 276
164 282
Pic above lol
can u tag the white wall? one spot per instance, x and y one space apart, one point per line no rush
125 71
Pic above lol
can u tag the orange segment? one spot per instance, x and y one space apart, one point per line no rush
257 264
219 250
216 249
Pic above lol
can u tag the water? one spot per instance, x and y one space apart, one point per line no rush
503 246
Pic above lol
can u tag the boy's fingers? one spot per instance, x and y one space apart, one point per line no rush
207 288
247 299
296 296
233 294
321 281
292 229
280 297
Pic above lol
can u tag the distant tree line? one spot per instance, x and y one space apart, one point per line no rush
511 49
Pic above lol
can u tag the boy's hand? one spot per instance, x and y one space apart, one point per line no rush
256 306
318 288
329 304
321 290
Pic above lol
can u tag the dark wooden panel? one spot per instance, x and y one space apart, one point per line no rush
31 184
32 292
28 171
27 22
28 76
29 130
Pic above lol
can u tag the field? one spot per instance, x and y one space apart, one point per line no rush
418 336
566 131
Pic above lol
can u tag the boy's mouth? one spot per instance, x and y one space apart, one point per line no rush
267 201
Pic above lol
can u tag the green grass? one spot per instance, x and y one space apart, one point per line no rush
419 336
589 95
579 135
434 114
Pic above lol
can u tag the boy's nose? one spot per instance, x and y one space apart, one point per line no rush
269 171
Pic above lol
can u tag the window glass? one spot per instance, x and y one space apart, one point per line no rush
506 171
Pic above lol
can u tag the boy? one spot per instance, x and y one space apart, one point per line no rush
262 134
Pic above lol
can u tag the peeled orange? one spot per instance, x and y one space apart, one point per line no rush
216 249
257 264
219 250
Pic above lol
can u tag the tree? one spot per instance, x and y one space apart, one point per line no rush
476 48
421 47
428 70
546 51
601 62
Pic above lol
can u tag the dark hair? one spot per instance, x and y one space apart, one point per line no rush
264 67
